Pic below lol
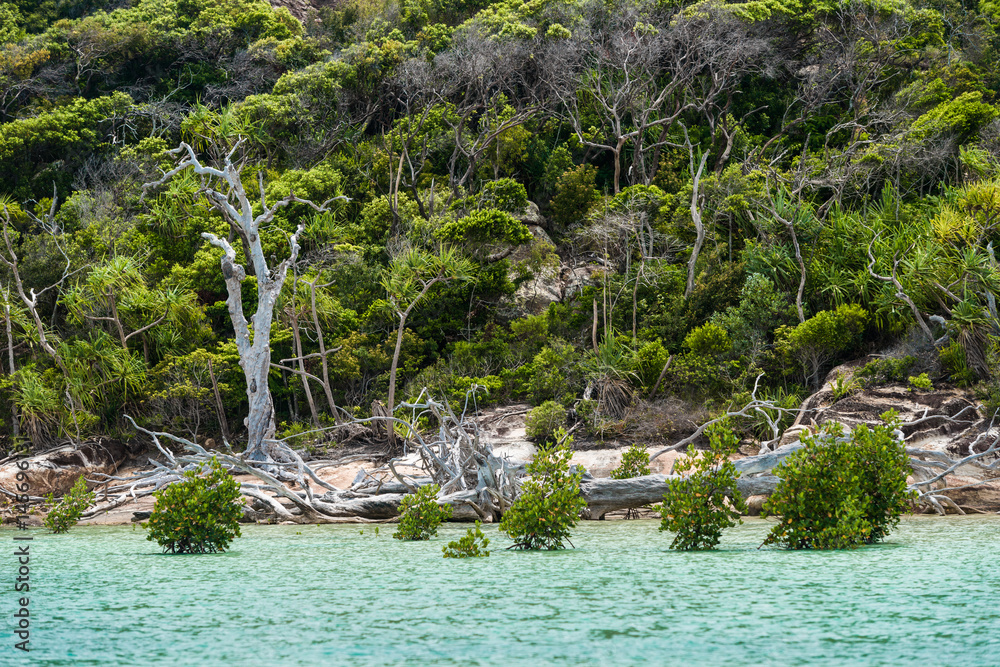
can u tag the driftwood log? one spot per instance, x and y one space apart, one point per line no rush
609 495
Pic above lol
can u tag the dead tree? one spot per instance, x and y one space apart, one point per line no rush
253 337
30 298
480 485
900 292
930 468
699 224
456 458
756 407
490 87
14 421
639 74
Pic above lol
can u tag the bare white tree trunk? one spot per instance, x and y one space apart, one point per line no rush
15 424
699 226
900 292
322 352
10 260
253 337
789 224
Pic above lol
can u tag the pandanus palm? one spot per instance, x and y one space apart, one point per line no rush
970 325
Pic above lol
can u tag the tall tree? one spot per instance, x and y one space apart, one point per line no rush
407 280
253 337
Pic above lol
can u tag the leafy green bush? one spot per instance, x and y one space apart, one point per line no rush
199 514
574 194
503 194
959 117
921 382
695 507
696 376
839 492
635 463
559 162
842 387
708 340
65 515
817 500
761 309
886 370
484 226
649 362
954 362
549 503
420 514
555 373
883 466
543 421
821 338
473 545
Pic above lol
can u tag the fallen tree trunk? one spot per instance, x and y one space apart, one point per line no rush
384 506
609 495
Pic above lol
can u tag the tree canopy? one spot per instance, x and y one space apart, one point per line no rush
589 203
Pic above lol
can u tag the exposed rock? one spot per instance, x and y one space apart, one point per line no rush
938 409
534 296
574 279
298 8
793 434
56 471
755 504
25 520
940 427
984 497
530 216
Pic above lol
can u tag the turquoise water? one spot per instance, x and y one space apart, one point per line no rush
328 595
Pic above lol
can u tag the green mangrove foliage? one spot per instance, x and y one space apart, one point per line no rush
198 515
549 503
699 506
420 515
841 490
634 463
472 545
66 513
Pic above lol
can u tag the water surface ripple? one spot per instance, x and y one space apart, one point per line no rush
289 595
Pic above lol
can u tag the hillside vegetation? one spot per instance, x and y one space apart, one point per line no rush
716 195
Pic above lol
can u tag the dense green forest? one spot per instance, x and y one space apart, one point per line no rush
715 196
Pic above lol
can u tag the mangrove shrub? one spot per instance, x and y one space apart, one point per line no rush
695 507
635 463
420 514
199 514
65 515
550 502
841 491
473 545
